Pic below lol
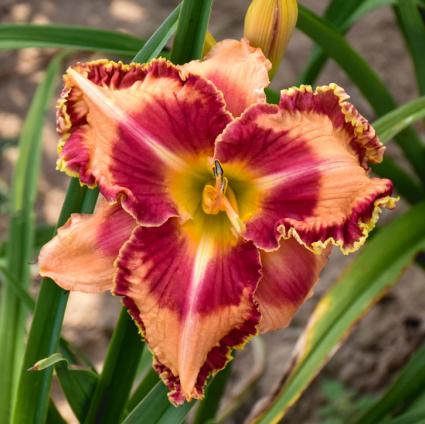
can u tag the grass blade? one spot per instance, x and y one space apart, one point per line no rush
397 120
337 14
114 385
145 386
155 408
366 79
208 407
404 184
21 233
413 28
156 43
33 390
78 384
404 390
192 28
17 36
369 276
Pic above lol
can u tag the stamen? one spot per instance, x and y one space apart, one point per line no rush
214 199
237 223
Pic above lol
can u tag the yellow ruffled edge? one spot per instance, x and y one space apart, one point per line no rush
165 375
362 129
366 227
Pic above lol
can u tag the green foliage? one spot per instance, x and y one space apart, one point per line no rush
341 403
156 409
405 389
17 36
78 384
413 27
370 275
13 312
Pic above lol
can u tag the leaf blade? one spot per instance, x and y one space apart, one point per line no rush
367 278
17 36
365 78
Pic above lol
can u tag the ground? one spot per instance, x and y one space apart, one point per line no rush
380 344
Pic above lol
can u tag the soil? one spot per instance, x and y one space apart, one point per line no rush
378 347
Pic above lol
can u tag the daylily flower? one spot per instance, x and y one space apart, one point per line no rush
218 209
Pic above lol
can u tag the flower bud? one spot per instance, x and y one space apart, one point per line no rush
209 43
269 25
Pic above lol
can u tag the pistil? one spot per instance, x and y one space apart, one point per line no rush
220 198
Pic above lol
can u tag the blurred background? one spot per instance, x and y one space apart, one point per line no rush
380 344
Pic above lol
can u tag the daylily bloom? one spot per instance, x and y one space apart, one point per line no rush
218 209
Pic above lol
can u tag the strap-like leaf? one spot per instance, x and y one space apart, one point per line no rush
397 120
155 408
407 386
78 384
369 276
159 38
413 28
33 390
13 312
192 28
17 36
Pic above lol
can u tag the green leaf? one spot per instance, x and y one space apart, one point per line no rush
33 390
114 385
336 13
17 36
415 417
192 28
366 79
208 407
370 275
413 29
53 415
363 9
145 386
44 363
155 408
156 43
397 120
8 279
404 184
389 126
78 384
21 232
405 389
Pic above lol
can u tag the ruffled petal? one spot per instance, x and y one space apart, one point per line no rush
289 275
305 165
81 255
192 298
133 129
238 70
